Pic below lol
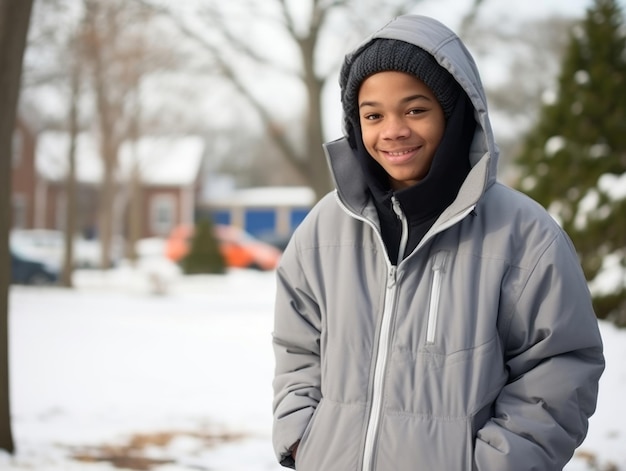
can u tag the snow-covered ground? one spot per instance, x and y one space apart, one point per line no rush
114 375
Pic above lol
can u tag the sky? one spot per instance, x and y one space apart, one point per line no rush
214 102
113 363
450 13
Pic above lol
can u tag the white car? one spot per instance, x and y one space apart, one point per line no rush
48 246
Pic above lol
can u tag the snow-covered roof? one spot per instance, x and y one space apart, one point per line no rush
162 160
265 196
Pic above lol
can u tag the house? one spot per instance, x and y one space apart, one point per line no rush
23 198
173 189
263 212
168 169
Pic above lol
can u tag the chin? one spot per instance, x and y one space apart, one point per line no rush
405 181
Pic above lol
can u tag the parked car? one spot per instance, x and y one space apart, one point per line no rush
48 245
278 241
29 271
239 248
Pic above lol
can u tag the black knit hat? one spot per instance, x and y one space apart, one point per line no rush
382 55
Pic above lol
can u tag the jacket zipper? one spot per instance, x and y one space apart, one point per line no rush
383 344
405 228
382 355
435 294
379 373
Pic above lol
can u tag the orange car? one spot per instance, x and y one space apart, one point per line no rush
239 249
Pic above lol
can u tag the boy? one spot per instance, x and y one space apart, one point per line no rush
427 316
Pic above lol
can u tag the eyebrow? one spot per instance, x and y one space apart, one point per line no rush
407 99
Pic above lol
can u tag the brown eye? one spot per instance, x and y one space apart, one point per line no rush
371 117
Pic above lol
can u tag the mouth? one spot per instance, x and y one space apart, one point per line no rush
401 154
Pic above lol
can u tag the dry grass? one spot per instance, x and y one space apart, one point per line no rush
592 461
131 455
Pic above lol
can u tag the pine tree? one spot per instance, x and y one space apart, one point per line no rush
204 255
572 159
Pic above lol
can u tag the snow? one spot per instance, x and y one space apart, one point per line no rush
186 368
110 359
265 196
613 185
611 278
554 145
52 157
162 160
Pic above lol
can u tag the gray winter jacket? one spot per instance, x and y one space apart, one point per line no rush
478 351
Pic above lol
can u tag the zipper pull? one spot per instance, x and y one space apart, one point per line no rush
404 238
435 294
395 205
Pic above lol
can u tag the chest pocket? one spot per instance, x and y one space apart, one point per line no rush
438 269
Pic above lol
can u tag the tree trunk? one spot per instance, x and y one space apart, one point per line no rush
14 20
70 184
135 208
319 174
108 186
109 143
107 198
134 221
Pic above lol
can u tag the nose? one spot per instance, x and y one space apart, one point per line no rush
395 127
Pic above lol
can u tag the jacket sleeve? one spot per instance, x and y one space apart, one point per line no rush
296 341
553 353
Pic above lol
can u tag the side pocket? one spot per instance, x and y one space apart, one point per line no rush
439 262
307 431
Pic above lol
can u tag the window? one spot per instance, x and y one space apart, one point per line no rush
162 214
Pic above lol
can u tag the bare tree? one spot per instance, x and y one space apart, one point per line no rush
70 179
119 59
101 30
226 49
102 48
14 21
530 53
307 28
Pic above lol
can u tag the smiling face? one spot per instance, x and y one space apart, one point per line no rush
402 124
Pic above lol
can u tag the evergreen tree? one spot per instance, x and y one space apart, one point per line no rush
575 157
204 255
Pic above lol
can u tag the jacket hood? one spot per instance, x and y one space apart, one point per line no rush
450 52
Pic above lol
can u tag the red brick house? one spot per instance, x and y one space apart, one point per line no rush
169 169
23 197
